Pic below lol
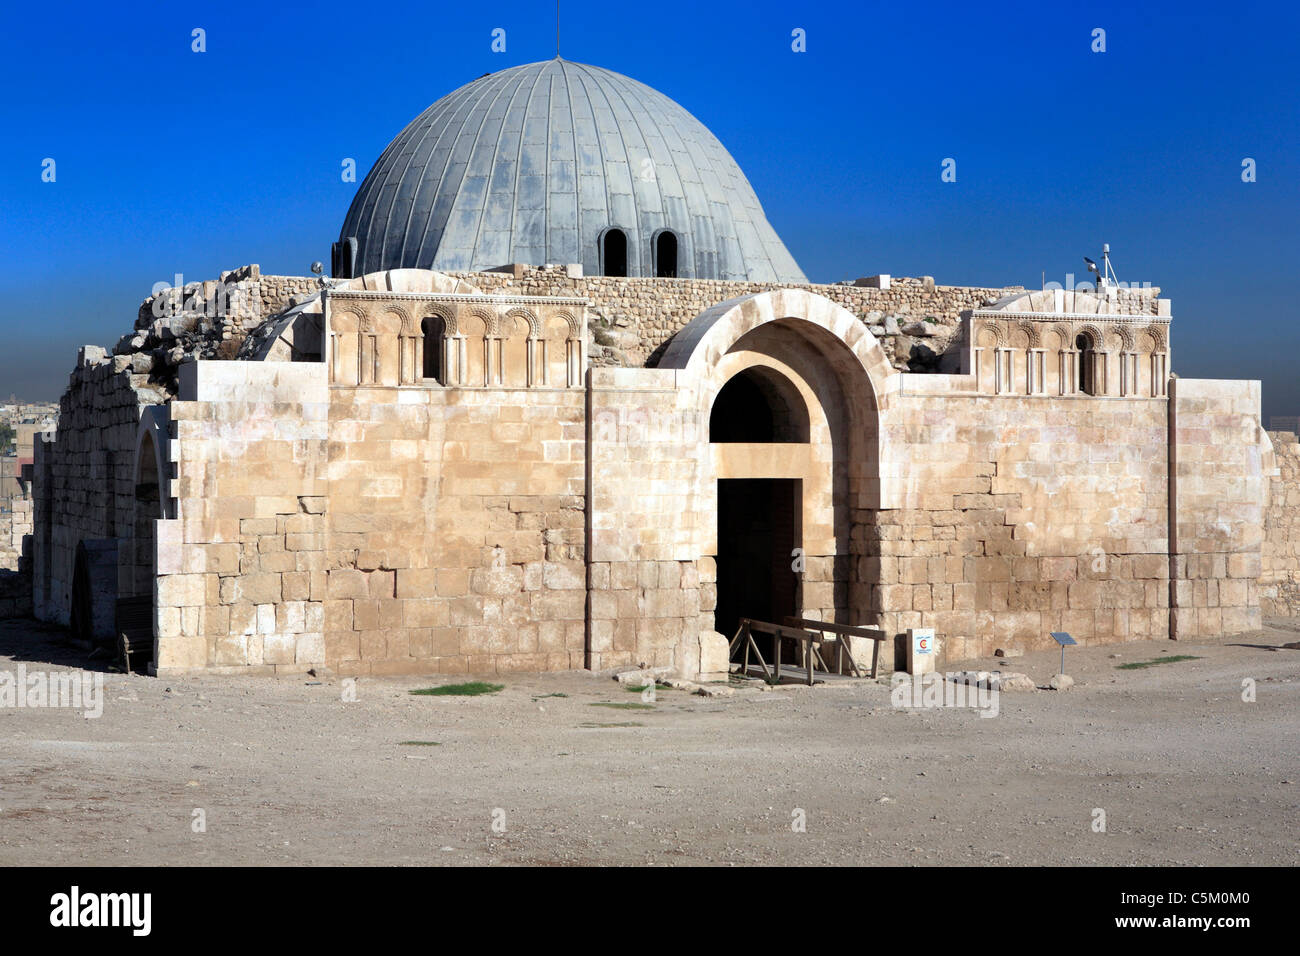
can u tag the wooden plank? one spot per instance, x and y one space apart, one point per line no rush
872 633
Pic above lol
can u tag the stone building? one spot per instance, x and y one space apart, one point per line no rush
458 457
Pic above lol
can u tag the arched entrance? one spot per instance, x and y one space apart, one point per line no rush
758 518
792 387
138 560
94 591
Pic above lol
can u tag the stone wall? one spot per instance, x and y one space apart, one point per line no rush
1216 505
15 531
1022 516
15 556
632 318
241 568
206 320
358 514
651 592
376 529
84 485
1279 582
456 531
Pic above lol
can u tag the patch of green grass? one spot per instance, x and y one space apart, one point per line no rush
628 705
1138 665
631 723
471 689
419 743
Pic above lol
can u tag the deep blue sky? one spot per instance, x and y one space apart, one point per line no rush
171 161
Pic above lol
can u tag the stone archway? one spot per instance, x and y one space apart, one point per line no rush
804 347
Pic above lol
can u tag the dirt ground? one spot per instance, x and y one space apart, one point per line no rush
286 772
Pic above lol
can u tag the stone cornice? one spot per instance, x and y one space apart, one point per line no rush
461 297
1114 319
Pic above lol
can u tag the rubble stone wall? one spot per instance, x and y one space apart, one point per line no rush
15 531
15 556
632 318
84 486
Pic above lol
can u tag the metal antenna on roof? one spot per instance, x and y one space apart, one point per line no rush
557 28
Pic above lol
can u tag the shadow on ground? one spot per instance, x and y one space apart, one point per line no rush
35 642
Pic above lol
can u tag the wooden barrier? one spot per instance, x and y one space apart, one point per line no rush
810 634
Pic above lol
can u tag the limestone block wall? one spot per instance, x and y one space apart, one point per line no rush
455 533
1279 583
8 556
652 592
380 529
240 574
1217 506
1019 517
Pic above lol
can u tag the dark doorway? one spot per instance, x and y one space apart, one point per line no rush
435 334
666 255
615 252
756 541
1083 346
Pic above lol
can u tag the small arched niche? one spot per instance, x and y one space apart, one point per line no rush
758 405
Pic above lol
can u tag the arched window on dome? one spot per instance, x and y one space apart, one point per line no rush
666 255
613 253
435 341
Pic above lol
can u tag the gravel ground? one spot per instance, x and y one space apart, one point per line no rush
285 772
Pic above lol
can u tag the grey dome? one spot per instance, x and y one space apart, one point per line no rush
535 163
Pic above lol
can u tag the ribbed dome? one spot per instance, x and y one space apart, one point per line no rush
536 164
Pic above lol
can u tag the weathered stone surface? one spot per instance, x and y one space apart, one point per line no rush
1015 683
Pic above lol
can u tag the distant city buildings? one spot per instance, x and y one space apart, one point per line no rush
26 420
